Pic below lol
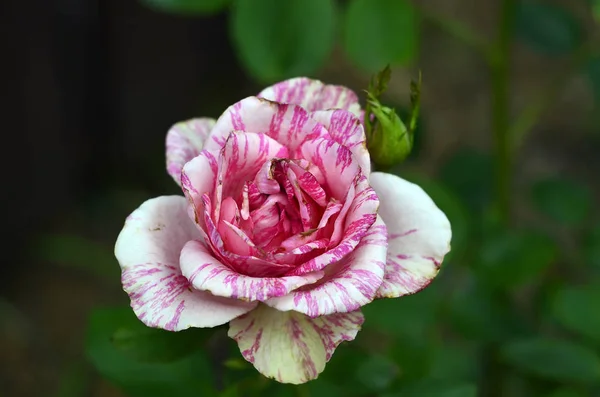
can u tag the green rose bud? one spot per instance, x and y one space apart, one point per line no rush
390 142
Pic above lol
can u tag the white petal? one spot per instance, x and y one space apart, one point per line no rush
291 347
419 235
148 251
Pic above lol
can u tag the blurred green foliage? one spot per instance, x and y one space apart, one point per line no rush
548 28
513 312
379 32
272 38
188 7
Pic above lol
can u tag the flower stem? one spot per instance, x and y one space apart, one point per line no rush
500 68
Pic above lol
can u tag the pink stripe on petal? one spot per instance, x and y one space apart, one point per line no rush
291 347
198 178
242 157
312 95
336 163
289 125
350 283
354 220
420 235
184 141
246 264
148 250
206 273
347 130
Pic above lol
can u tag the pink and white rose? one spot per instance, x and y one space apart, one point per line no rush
282 231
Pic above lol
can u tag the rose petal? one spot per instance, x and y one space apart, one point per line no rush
242 158
347 130
312 95
291 347
148 251
419 235
245 264
198 177
289 125
208 274
184 142
354 220
336 163
349 284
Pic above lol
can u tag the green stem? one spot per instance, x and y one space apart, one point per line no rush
500 69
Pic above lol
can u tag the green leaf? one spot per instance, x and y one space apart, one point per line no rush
79 253
554 359
377 372
140 379
231 391
380 32
591 247
563 200
433 388
469 175
344 362
281 39
578 309
596 9
454 362
157 345
567 392
547 28
323 388
188 7
479 313
510 258
593 73
410 317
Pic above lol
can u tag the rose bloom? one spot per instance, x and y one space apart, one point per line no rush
282 231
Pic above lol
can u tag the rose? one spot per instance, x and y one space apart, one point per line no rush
284 232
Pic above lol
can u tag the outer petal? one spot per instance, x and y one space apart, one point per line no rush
185 140
208 274
148 250
419 235
351 283
289 346
312 95
198 177
289 125
347 130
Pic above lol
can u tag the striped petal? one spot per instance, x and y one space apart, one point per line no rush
208 274
335 162
350 283
289 125
312 95
291 347
185 140
148 250
419 235
347 130
356 217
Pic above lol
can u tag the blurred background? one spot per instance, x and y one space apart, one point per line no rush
93 86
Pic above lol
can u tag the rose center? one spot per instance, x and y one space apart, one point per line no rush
282 215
